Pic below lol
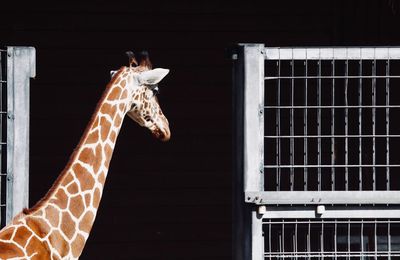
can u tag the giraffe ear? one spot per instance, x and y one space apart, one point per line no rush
152 77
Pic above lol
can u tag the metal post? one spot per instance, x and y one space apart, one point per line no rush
253 117
241 233
257 237
20 68
3 152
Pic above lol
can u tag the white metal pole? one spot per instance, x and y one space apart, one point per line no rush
20 68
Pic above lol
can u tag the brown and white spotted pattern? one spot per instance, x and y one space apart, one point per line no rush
58 226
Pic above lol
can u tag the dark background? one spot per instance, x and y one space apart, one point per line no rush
164 200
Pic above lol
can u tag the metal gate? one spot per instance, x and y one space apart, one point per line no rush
17 66
317 152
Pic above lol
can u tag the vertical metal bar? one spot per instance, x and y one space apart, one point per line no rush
308 237
278 178
348 237
20 68
333 153
319 124
280 241
292 127
322 238
269 237
283 236
375 239
305 122
373 124
253 117
277 126
362 236
387 124
335 239
295 238
360 124
346 124
389 240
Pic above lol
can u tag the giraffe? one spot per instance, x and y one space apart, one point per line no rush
58 226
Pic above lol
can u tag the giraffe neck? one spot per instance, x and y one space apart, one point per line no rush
66 214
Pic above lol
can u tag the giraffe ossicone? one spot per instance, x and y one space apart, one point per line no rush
58 226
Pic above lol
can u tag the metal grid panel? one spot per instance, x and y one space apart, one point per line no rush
331 238
3 136
328 119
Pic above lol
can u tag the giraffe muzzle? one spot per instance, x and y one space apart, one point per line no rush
162 134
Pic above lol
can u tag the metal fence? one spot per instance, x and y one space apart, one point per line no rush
316 141
17 66
3 136
331 238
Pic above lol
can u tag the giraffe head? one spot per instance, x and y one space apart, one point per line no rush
144 107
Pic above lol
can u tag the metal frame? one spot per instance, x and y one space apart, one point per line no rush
253 202
21 66
254 123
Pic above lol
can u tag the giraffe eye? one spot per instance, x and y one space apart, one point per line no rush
156 91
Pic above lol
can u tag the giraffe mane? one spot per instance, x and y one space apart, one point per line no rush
49 194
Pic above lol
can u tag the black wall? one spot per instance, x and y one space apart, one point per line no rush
173 200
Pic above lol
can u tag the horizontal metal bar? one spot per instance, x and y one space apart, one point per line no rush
341 53
331 166
332 209
330 136
323 197
3 81
330 107
332 77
